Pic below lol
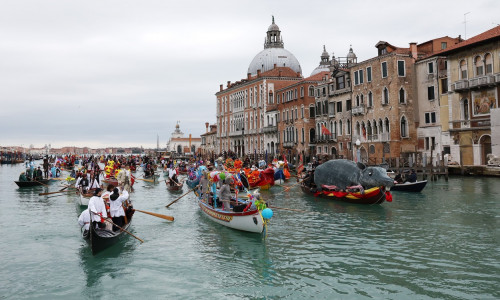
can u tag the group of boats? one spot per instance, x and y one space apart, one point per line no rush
249 211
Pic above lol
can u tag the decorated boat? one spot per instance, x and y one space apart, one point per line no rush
32 183
250 220
415 187
114 181
100 239
376 195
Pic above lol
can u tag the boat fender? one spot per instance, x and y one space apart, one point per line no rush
255 220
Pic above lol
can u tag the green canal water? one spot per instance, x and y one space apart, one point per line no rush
442 243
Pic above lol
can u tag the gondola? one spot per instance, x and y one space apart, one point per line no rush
32 183
376 195
415 187
174 187
100 239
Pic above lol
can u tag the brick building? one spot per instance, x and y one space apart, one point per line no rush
208 146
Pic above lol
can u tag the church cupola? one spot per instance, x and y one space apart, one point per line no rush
273 39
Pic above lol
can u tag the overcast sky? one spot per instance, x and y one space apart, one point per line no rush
119 73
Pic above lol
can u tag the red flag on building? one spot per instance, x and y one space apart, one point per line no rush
325 130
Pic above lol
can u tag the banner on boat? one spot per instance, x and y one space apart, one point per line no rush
216 215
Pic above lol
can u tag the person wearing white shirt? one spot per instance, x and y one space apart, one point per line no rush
97 209
84 220
116 209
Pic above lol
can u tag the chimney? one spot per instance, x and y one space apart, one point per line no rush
221 87
190 142
228 83
206 125
413 50
249 75
258 73
274 66
279 73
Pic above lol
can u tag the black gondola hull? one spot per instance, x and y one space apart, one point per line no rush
414 187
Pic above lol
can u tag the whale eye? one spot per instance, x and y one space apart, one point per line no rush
370 173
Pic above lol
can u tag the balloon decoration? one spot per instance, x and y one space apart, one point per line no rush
267 213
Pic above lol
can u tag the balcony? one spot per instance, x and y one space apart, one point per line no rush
373 138
236 133
288 144
326 138
497 78
476 124
385 137
270 129
461 85
358 110
482 81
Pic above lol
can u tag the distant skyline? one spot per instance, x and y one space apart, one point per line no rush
119 73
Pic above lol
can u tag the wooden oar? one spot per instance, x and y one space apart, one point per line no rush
178 198
148 180
40 182
156 215
61 191
123 230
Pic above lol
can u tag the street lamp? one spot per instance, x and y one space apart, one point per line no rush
358 154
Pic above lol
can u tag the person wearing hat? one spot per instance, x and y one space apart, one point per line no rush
97 209
116 208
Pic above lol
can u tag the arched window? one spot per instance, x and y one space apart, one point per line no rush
489 63
301 91
385 96
387 127
402 98
340 128
369 129
404 127
361 99
370 99
372 149
358 129
311 91
463 69
478 62
380 125
357 100
348 129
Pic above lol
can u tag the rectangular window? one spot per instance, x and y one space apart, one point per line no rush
433 117
426 143
433 142
339 107
348 105
331 108
444 45
311 112
401 68
341 146
444 85
430 68
356 78
489 68
303 135
369 74
430 92
340 83
278 99
384 69
427 118
361 77
302 112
